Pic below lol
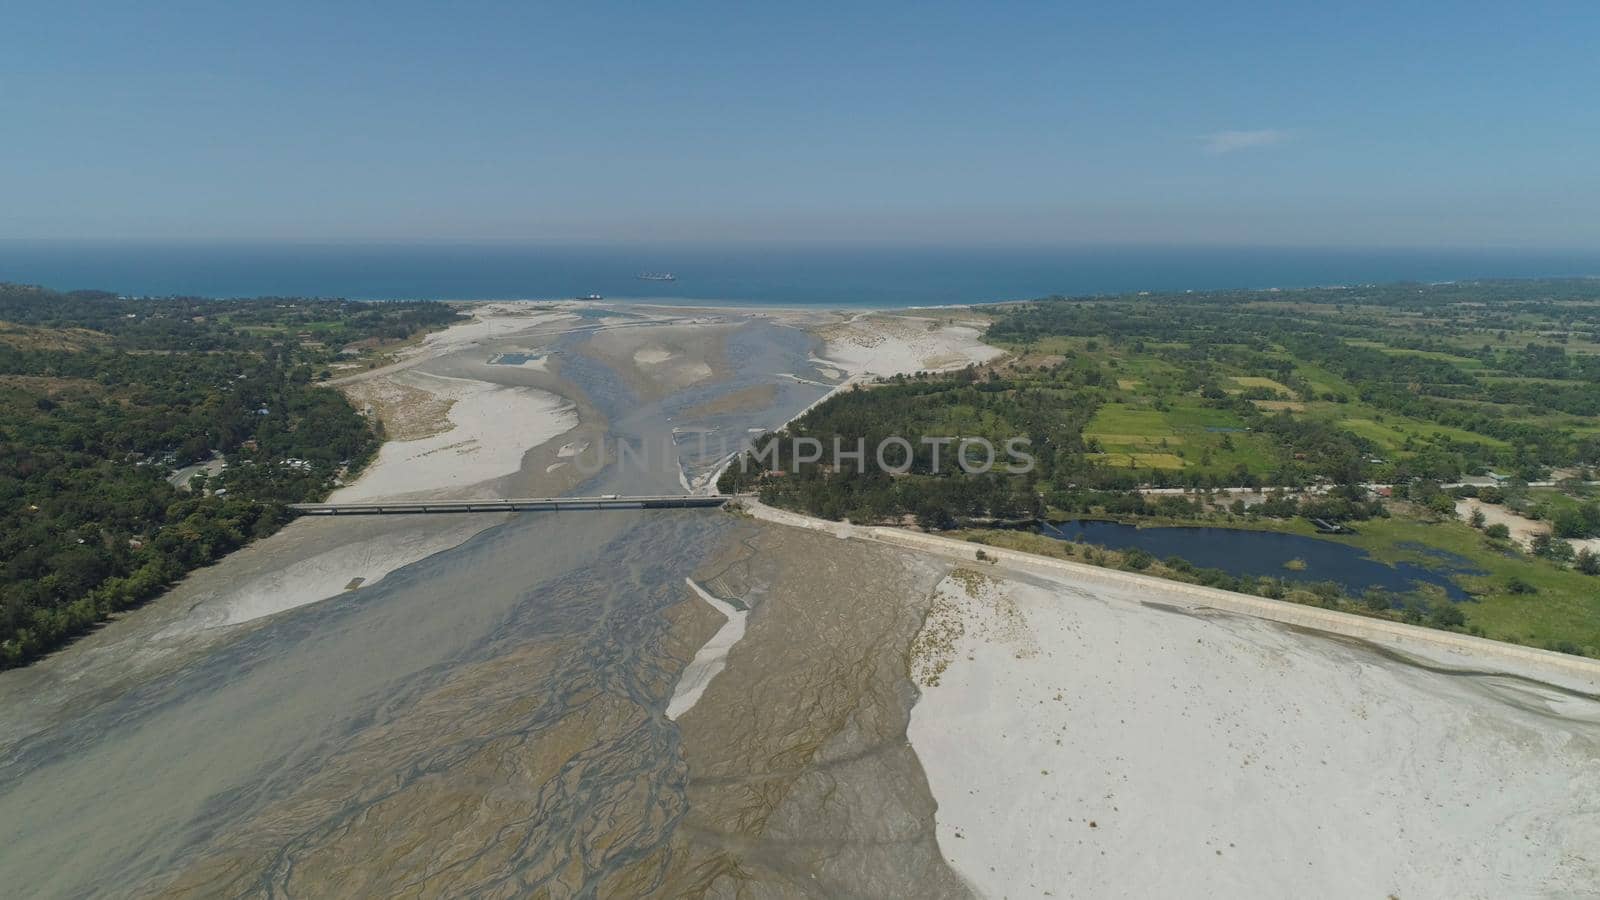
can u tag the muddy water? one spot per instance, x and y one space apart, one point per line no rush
526 741
487 720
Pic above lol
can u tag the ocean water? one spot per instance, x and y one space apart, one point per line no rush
760 275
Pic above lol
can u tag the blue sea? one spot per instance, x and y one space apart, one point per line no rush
761 275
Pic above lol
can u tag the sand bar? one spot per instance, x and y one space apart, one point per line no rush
491 427
710 659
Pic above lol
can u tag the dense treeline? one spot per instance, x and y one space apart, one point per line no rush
1047 411
102 398
196 323
1226 388
1274 333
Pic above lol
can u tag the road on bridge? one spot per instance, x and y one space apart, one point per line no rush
523 504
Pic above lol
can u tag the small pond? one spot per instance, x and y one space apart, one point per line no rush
1268 553
515 359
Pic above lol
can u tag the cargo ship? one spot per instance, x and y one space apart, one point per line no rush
657 276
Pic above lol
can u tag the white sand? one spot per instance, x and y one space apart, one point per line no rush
1523 530
811 381
492 426
659 361
711 658
652 356
661 356
492 320
362 563
879 345
1224 756
707 483
489 321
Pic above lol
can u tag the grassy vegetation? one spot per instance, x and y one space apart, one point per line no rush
1258 381
1409 385
1562 612
1183 435
1400 435
1443 379
1421 609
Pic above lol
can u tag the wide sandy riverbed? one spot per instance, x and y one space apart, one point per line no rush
695 702
1086 735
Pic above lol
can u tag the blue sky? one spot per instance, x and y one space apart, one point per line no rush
1355 124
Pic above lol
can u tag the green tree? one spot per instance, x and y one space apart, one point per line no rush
1569 522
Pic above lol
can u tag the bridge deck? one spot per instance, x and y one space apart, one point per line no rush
523 504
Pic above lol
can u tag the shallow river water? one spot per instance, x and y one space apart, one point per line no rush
325 744
491 720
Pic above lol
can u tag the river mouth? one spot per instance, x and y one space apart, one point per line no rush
1270 554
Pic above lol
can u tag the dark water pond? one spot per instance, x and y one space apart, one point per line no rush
515 359
1265 553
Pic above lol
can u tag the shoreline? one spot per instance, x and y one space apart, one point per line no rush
711 304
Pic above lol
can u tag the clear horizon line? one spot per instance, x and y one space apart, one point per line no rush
796 243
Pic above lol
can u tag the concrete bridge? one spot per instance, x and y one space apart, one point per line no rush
525 504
